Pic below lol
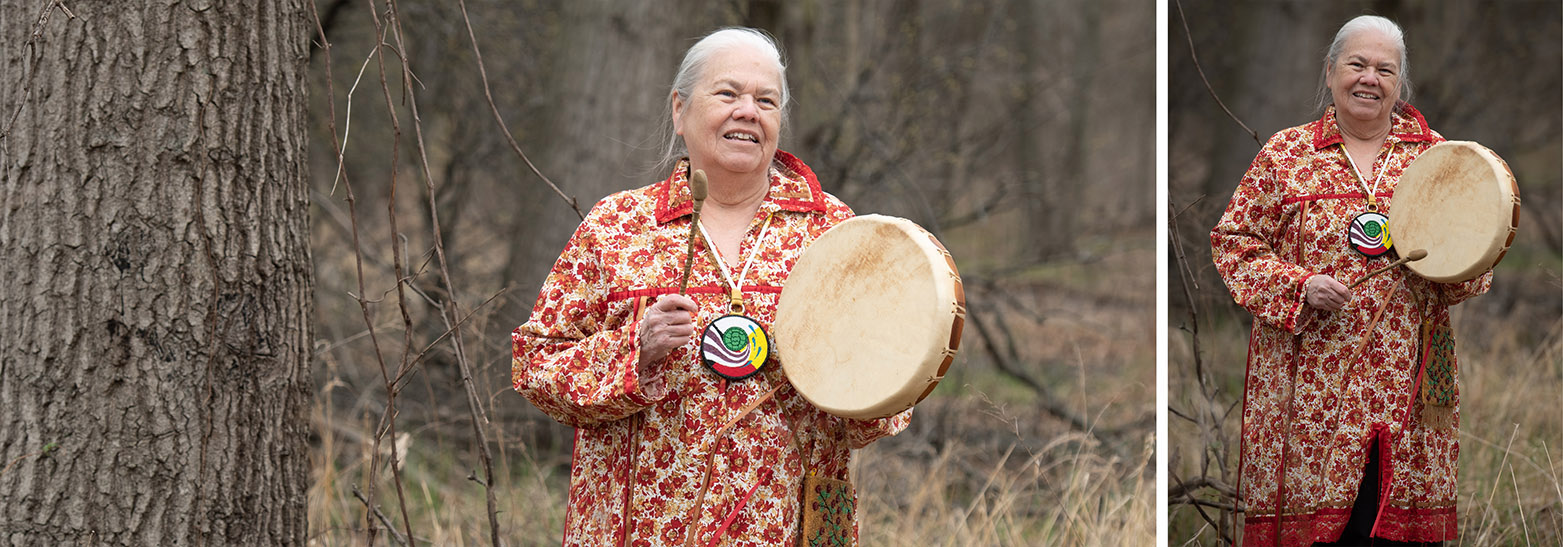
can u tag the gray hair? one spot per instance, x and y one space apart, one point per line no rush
1360 23
693 67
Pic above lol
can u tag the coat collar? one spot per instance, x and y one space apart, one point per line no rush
1405 125
793 188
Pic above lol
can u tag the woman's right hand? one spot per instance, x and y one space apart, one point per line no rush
668 324
1325 292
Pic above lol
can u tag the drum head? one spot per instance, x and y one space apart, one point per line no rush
864 326
1459 202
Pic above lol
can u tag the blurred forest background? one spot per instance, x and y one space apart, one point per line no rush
1019 132
1482 71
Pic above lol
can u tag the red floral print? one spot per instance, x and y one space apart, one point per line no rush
1320 386
641 451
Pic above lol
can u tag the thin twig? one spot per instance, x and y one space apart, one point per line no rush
1001 362
347 124
505 129
376 510
47 448
1210 424
32 48
1222 505
388 418
453 310
1200 507
1181 488
1202 77
403 374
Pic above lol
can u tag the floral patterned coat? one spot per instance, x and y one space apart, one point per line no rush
641 451
1320 386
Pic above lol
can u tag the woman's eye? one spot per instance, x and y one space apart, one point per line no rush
767 101
726 93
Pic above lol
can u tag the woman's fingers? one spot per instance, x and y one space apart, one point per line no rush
1326 292
669 303
668 324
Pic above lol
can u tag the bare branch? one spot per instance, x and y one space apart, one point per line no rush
452 310
1202 77
32 46
1199 505
505 129
402 375
1183 488
388 418
376 510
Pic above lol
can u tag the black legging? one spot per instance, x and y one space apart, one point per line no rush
1365 511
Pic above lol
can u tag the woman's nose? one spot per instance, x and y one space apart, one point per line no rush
746 109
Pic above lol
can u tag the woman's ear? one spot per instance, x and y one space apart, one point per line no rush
678 113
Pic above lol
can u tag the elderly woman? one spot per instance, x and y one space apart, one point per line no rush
1341 441
667 451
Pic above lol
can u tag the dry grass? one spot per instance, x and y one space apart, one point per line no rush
1001 483
1066 491
1511 440
1511 432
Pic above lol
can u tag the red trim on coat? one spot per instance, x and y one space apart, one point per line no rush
674 202
1326 134
1386 474
709 289
627 516
575 448
1242 430
816 202
1289 413
1316 197
1424 525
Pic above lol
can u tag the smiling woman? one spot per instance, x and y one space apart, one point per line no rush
668 451
1339 435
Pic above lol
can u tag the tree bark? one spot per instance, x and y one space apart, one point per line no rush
156 304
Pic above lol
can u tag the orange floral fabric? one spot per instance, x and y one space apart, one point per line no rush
642 450
1320 386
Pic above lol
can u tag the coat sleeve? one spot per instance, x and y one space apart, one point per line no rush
1243 248
859 433
565 360
1450 294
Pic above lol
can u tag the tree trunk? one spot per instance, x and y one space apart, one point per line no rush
156 304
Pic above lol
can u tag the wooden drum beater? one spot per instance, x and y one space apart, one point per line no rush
697 193
1415 255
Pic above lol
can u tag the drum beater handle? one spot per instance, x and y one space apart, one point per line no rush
697 192
1417 254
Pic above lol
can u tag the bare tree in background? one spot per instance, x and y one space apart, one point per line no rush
154 366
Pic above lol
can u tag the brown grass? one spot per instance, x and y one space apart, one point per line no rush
1002 483
1511 432
1066 491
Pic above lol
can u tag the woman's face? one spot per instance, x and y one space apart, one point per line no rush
732 118
1365 80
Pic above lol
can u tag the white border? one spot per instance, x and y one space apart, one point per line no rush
1161 272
